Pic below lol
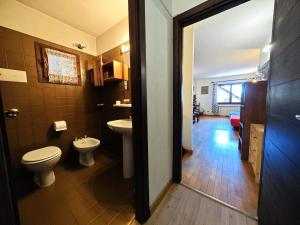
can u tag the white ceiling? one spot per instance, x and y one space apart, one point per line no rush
230 43
91 16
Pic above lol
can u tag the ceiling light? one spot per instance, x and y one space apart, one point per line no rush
125 48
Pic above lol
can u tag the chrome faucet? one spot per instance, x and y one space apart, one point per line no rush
80 138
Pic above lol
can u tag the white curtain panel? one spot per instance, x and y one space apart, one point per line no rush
62 67
215 106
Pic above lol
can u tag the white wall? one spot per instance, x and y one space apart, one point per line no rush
180 6
16 16
206 100
116 35
265 55
159 95
168 6
187 87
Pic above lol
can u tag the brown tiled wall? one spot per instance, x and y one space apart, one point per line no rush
40 104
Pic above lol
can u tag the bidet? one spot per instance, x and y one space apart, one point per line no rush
86 146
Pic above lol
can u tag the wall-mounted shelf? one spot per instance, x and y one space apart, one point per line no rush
122 105
112 71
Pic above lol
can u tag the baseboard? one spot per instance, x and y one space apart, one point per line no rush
161 195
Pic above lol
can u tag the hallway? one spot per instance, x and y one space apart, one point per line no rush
215 167
182 206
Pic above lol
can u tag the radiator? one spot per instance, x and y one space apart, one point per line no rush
224 110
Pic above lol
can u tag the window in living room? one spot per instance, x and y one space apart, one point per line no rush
229 93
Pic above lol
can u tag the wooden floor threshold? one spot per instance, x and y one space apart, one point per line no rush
249 215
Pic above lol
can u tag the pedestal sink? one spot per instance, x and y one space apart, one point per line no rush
124 127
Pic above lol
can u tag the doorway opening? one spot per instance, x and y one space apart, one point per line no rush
224 55
54 118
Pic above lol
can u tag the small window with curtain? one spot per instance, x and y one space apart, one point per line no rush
57 66
229 93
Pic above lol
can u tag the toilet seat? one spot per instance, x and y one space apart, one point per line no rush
41 155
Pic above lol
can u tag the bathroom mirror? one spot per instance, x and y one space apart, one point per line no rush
126 58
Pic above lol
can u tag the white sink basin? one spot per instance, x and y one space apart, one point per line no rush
124 127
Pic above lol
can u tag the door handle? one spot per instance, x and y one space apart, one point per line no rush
297 117
11 113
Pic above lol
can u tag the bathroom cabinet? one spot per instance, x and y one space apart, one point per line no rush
96 73
112 71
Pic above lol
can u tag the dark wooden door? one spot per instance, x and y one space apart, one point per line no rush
8 206
280 190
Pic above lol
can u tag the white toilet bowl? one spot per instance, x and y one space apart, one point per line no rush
41 162
86 147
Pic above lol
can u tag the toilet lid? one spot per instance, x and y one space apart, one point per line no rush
41 154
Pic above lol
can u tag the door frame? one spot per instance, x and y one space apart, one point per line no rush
136 9
196 14
137 39
9 214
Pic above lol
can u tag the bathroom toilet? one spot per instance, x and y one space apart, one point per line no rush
41 162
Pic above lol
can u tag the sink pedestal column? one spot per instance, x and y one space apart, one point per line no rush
124 127
127 156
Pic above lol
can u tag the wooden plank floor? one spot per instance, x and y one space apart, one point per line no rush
182 206
215 167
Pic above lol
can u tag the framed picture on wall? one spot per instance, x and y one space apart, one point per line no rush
204 90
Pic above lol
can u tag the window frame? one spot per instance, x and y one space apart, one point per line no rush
230 94
40 54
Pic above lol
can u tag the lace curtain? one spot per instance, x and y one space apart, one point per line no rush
215 106
62 67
